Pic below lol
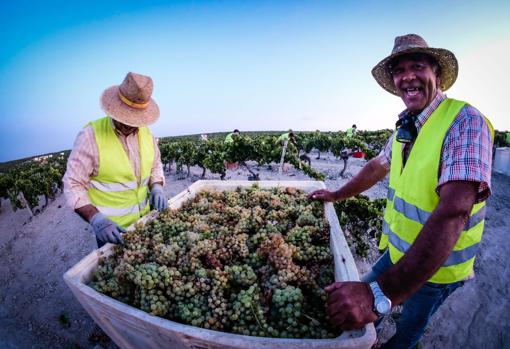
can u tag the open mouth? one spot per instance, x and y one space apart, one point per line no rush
412 91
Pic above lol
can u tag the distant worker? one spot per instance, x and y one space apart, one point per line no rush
284 140
230 137
116 161
288 136
351 131
435 211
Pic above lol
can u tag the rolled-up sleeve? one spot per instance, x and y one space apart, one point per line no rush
384 156
81 165
467 152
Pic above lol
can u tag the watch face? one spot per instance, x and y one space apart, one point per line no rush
384 306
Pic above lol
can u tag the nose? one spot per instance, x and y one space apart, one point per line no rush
408 76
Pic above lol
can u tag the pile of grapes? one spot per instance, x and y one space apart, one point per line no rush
249 261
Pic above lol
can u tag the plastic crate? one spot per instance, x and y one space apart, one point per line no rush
130 327
502 161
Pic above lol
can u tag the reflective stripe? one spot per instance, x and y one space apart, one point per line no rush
113 187
122 211
421 216
391 193
400 244
461 256
410 211
456 257
385 228
116 187
476 218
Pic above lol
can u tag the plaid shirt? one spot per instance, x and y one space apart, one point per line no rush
467 148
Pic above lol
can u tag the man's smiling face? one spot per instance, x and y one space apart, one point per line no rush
417 81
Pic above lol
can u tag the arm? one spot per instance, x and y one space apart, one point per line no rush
87 212
370 174
350 303
81 165
157 175
434 243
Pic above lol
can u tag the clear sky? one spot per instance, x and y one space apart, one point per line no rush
220 65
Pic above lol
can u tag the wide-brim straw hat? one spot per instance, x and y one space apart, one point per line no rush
130 102
412 43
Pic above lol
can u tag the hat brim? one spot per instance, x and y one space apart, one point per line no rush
117 110
446 60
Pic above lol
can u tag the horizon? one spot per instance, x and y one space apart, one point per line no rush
220 65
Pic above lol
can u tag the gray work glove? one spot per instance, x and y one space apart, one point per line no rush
106 230
158 198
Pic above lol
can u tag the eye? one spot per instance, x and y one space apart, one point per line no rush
397 71
418 66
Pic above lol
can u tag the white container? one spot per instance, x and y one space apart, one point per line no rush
130 327
502 161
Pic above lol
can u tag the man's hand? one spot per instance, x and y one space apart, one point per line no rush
350 305
106 230
322 195
158 198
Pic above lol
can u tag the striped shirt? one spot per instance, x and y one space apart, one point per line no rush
467 148
83 163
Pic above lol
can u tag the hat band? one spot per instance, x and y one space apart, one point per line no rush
132 104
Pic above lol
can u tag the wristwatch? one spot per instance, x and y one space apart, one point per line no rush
382 304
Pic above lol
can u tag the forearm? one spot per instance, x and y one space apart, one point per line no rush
157 174
87 212
431 248
369 175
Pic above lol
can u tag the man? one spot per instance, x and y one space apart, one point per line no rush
439 161
351 131
230 137
284 140
115 160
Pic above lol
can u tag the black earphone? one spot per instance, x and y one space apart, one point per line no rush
406 129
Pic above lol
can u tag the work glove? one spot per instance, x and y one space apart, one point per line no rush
106 230
158 198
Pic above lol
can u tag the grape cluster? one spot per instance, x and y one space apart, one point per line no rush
247 261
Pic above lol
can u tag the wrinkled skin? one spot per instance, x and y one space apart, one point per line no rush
417 82
349 305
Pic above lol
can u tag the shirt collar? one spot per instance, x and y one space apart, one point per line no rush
427 112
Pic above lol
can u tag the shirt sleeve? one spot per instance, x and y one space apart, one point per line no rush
467 152
157 174
384 156
81 165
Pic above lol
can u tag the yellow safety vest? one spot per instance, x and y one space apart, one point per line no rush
350 132
115 191
284 137
412 197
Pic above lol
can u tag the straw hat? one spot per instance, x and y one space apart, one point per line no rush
412 43
131 102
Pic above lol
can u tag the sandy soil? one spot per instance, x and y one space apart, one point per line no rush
37 310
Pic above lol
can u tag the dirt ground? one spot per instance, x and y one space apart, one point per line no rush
37 310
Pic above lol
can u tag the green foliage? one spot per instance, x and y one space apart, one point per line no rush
362 220
500 139
25 183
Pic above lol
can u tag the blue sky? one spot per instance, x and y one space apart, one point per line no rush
219 65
